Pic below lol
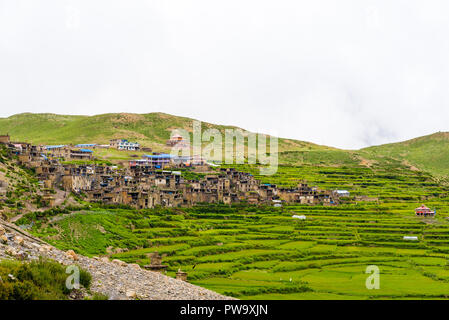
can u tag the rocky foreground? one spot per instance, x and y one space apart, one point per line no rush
115 279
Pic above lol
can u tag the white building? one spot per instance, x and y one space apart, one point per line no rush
277 203
123 144
342 193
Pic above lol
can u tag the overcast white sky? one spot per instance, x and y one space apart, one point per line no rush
345 73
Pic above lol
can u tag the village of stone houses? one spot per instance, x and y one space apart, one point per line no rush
141 223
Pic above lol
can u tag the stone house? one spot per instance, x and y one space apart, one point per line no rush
5 139
3 188
143 185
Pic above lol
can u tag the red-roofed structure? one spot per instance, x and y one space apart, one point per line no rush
177 140
424 211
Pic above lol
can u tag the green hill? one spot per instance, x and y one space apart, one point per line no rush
428 153
152 129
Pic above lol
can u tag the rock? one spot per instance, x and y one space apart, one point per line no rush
47 247
131 294
35 245
2 230
116 280
119 262
3 239
19 240
27 245
77 294
11 251
71 255
21 255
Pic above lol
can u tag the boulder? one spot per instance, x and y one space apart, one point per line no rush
11 251
131 294
71 255
119 262
3 239
19 240
42 248
134 265
35 245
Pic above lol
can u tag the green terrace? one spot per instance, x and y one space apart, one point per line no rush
254 252
386 183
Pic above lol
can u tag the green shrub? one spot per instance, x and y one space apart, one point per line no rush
37 280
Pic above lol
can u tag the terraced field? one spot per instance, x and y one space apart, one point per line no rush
254 252
263 253
389 181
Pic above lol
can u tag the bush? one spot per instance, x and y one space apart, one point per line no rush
37 280
85 278
98 296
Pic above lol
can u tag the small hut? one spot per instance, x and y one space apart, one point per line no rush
424 211
156 263
181 275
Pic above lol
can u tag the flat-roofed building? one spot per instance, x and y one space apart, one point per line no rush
5 139
123 144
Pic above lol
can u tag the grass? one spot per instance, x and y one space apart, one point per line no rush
151 130
429 153
37 280
257 252
261 252
272 256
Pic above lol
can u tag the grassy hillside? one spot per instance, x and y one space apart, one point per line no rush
152 129
262 252
23 187
429 153
258 252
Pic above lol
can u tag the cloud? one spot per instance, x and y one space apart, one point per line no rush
344 73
